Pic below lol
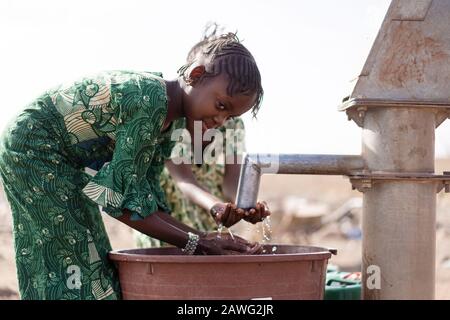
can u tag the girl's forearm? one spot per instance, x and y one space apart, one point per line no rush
169 219
198 195
162 226
189 186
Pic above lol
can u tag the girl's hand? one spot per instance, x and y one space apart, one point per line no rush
227 214
214 243
257 214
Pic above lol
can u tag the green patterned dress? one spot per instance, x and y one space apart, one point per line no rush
112 123
208 175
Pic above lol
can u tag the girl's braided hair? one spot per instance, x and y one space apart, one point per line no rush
225 53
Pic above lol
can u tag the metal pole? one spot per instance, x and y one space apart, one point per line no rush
399 216
256 164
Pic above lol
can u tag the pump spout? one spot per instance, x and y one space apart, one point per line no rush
254 165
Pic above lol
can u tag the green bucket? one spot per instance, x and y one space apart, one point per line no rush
342 285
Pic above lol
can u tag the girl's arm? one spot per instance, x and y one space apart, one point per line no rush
224 213
162 226
188 184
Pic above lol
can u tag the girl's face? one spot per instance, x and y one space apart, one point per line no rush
208 101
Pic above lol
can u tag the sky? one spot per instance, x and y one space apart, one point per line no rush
308 52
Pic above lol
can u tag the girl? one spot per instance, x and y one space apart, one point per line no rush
194 192
120 124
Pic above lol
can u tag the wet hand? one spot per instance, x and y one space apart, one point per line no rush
227 214
215 243
257 214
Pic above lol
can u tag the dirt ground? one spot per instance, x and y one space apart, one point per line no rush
300 205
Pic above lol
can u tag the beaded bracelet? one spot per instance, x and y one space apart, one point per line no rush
192 243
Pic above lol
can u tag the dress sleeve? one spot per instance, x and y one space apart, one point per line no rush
141 108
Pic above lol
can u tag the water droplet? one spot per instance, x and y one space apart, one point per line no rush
219 231
266 231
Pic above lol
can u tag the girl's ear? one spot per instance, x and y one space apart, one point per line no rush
196 74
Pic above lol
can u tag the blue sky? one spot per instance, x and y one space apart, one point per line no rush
308 53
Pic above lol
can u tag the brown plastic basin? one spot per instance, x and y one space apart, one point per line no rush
293 272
